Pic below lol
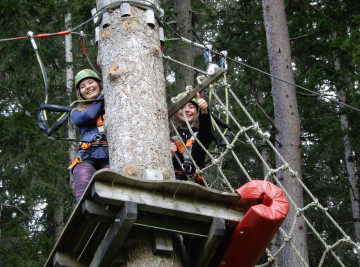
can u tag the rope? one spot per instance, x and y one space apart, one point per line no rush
221 55
183 64
251 133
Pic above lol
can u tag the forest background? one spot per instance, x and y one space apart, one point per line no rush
36 198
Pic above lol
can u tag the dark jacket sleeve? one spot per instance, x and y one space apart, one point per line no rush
205 137
90 115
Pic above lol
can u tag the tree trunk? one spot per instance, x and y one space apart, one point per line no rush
184 52
349 156
69 87
287 123
59 207
136 112
351 170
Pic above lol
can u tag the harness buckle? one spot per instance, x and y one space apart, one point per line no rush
85 146
97 137
187 167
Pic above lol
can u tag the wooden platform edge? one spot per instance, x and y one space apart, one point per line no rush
181 188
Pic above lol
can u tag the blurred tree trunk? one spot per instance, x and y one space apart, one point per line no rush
348 152
136 111
184 52
59 206
287 123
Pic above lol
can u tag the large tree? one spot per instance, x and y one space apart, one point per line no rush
136 111
287 123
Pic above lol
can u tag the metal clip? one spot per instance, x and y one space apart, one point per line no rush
96 137
187 167
223 60
208 55
30 34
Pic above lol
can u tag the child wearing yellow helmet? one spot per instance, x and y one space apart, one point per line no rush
92 154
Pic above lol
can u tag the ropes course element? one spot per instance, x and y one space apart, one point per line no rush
250 135
222 56
243 129
42 116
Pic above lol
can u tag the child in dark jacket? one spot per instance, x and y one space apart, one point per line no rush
195 108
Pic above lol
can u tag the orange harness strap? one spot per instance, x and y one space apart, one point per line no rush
76 161
190 174
100 120
85 146
181 147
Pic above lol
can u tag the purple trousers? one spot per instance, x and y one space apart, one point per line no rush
83 172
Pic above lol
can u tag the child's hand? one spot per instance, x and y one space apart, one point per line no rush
173 148
202 104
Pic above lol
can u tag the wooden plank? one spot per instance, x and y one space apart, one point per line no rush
176 188
177 225
116 235
213 78
64 259
95 210
91 238
212 243
162 203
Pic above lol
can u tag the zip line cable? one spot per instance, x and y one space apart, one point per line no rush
202 46
44 106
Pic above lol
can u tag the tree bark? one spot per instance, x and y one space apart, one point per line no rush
134 89
287 123
136 112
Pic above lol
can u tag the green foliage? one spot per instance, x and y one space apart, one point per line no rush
33 169
33 175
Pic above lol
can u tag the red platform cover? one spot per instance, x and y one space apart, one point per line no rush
260 223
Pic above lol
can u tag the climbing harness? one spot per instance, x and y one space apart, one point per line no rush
99 140
187 167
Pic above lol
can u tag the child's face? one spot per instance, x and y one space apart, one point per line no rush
190 111
89 88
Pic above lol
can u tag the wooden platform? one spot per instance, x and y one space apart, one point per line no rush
114 205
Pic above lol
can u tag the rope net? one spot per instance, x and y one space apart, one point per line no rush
248 141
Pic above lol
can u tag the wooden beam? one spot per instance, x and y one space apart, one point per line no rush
177 225
95 210
162 243
62 259
115 236
163 203
213 78
212 243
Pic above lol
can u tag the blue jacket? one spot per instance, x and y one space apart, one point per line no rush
85 121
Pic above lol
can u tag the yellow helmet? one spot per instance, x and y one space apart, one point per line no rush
181 96
86 73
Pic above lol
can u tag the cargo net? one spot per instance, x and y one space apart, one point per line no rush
242 154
